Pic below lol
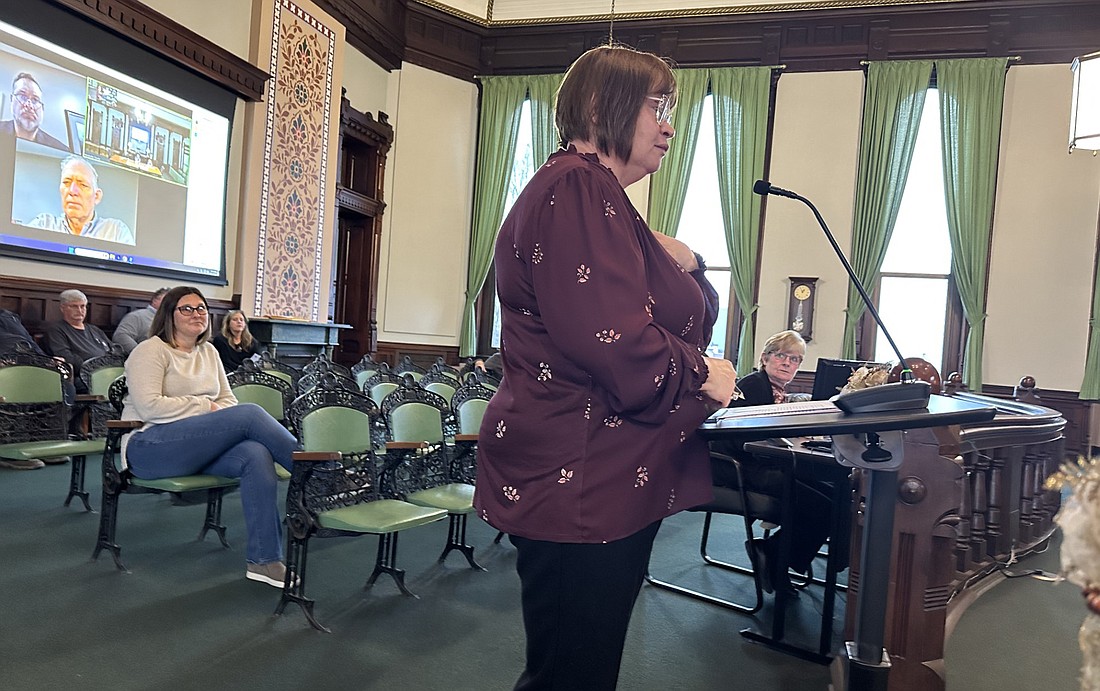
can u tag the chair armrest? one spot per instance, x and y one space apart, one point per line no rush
466 437
316 456
124 424
90 398
400 445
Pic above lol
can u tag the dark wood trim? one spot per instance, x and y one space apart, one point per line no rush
133 21
376 28
1039 31
1073 409
421 354
36 303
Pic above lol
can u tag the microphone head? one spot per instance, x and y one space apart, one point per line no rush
762 187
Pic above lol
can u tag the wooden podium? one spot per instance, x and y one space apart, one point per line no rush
873 442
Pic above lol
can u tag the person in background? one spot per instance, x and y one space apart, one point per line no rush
591 439
73 340
779 361
80 194
26 112
134 327
235 343
193 424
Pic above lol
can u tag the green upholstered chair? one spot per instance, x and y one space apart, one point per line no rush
98 374
35 421
407 366
323 363
467 409
340 487
309 380
251 384
118 480
381 383
439 383
364 370
414 420
279 369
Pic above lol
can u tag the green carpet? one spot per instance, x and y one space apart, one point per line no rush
186 618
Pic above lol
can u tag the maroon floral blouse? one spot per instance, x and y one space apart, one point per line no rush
591 436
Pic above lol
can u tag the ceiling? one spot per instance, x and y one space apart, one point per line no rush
511 12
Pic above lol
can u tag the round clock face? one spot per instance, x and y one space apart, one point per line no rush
801 292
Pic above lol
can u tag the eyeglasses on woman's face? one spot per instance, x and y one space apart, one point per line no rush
663 108
188 310
793 358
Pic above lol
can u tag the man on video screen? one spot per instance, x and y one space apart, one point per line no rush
26 112
80 194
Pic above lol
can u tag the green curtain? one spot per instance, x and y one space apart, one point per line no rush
501 100
741 96
1090 385
542 90
668 186
971 100
892 108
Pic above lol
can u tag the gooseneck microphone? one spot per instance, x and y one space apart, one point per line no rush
902 402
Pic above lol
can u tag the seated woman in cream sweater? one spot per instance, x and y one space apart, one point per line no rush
177 386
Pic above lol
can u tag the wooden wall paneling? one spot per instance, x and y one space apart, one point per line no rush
160 35
1040 31
36 303
375 28
423 355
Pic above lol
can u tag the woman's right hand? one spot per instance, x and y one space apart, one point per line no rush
721 379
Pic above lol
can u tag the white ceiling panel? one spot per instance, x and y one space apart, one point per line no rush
540 11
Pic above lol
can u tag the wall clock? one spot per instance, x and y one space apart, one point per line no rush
800 307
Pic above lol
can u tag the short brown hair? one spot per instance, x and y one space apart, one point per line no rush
599 98
163 324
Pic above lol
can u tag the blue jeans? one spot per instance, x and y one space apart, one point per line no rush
242 442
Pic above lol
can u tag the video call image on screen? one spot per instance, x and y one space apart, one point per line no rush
106 170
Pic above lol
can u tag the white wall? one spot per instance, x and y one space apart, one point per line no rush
422 273
1044 231
1044 237
815 145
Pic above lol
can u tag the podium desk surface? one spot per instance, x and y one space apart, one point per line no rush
738 423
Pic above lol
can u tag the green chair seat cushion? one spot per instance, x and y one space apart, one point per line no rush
51 449
186 483
457 497
379 517
281 472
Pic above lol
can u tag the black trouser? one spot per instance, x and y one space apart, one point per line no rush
577 600
811 519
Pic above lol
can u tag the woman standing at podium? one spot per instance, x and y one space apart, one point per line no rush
590 441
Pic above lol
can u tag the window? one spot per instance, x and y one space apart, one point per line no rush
914 285
701 224
523 167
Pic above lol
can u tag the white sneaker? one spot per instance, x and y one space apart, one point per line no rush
272 573
19 464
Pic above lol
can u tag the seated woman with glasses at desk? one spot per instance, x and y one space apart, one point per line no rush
779 361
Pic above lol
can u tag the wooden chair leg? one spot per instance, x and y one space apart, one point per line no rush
386 562
456 540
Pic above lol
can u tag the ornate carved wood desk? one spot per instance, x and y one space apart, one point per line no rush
965 499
